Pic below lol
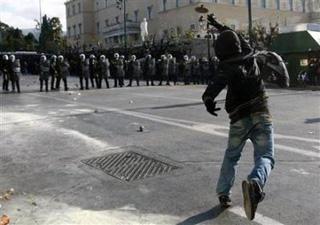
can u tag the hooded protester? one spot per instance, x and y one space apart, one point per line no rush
250 118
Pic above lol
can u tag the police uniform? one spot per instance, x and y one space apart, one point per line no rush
149 69
44 73
5 73
84 73
63 73
104 72
164 70
53 71
134 70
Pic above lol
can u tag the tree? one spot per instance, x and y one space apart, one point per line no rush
263 37
51 39
12 39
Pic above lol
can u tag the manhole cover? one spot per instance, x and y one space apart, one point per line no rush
130 166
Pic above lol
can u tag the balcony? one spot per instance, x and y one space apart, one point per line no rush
118 29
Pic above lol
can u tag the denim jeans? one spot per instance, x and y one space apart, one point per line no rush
257 128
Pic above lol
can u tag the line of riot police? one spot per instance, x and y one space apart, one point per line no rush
94 71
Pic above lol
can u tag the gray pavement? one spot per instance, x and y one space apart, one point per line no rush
44 137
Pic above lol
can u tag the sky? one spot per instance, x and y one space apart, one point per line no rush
22 13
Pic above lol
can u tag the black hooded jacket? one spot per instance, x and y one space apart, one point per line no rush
245 88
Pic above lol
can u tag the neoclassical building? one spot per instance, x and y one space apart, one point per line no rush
101 22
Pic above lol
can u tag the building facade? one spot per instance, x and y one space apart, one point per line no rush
100 23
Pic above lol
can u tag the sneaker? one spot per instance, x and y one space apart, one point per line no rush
225 201
252 195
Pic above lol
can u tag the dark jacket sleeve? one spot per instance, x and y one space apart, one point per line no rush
218 84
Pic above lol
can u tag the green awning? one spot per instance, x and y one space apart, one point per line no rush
296 42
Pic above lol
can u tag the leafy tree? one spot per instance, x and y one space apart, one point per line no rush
262 37
51 39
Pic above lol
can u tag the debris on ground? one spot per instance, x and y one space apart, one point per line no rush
96 111
141 128
7 194
131 101
34 203
4 220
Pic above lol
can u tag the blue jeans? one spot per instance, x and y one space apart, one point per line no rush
258 128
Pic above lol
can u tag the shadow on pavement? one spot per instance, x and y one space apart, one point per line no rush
204 216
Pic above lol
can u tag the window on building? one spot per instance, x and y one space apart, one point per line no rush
164 5
263 4
191 1
106 3
74 30
106 23
117 19
79 7
136 15
80 28
232 2
177 3
98 27
303 4
290 3
127 17
69 31
68 11
150 12
73 9
277 3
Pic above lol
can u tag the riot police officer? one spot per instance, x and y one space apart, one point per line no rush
149 69
44 72
63 72
164 70
185 69
5 72
103 70
93 71
53 71
14 73
134 70
172 69
84 71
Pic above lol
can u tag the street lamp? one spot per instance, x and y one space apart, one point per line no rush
203 10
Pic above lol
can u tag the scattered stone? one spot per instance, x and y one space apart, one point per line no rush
131 101
96 111
34 203
79 93
141 128
74 99
4 220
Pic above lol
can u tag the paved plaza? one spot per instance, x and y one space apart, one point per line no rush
49 140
